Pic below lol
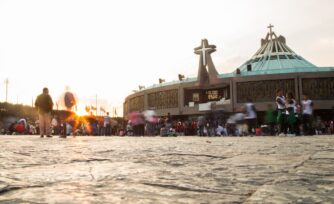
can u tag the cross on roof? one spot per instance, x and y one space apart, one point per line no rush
270 28
203 51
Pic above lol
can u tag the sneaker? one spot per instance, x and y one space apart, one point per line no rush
281 135
49 136
41 136
62 136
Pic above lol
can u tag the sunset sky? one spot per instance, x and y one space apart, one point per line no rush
108 48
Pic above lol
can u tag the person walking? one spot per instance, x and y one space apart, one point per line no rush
307 105
251 117
44 104
281 113
55 125
106 125
200 125
291 109
270 119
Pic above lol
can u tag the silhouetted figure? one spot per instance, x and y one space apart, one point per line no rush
44 105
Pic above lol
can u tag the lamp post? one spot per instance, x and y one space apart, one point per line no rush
96 104
6 83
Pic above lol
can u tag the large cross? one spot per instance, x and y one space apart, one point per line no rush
270 28
203 50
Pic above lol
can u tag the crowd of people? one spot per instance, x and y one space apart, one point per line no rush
73 125
49 123
288 119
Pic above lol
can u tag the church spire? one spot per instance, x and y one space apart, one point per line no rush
207 73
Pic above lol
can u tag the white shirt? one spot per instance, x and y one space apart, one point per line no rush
106 121
282 99
307 107
54 122
251 114
291 105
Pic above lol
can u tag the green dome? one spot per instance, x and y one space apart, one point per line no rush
275 54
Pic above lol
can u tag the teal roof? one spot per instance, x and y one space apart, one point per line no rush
274 54
278 71
273 57
251 73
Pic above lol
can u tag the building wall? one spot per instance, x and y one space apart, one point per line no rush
262 91
261 88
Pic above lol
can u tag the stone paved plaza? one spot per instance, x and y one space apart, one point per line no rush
167 170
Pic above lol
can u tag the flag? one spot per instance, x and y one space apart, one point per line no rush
93 108
87 108
102 109
115 112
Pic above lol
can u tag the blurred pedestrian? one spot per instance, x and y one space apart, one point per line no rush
169 121
55 125
251 117
270 119
307 105
44 104
281 114
200 125
291 109
107 125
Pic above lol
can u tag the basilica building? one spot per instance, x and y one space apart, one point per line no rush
273 66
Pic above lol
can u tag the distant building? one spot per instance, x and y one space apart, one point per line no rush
273 66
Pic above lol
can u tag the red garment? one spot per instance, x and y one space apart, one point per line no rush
19 128
179 127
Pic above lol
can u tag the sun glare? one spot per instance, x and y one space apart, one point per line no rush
81 111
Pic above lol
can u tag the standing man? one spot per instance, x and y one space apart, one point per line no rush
307 115
291 109
106 125
44 105
281 112
200 125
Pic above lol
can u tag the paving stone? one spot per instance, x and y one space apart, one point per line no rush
167 170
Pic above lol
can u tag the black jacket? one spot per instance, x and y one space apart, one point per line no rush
44 103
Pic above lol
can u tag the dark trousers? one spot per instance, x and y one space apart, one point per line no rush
283 125
201 130
297 130
251 123
307 124
107 130
271 129
138 130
